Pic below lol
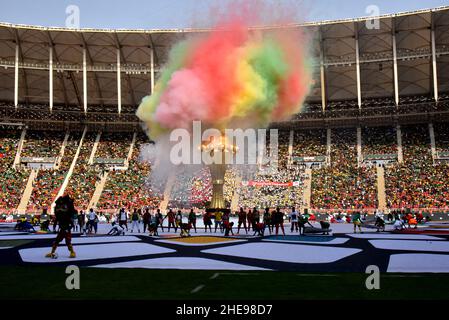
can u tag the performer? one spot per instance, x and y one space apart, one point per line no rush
192 219
279 220
242 220
293 217
64 210
171 220
267 219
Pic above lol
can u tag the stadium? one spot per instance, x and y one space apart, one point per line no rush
372 138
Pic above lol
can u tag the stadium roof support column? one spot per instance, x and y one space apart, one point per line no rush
395 65
357 60
152 68
16 77
434 64
322 75
119 83
84 80
50 77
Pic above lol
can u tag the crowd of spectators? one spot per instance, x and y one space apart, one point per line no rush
114 145
12 181
379 140
48 182
417 182
309 143
343 184
42 143
441 137
131 187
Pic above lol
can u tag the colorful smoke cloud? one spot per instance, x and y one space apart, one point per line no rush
232 74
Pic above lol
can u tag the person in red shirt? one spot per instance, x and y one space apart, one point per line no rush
207 219
242 220
249 217
171 220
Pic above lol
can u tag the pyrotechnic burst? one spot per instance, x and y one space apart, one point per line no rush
232 74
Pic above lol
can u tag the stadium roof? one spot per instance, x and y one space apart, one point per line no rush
335 41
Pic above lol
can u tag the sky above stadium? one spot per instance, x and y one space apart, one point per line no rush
153 14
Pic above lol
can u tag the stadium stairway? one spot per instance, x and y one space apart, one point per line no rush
131 148
307 192
69 173
94 149
98 190
19 148
62 151
27 192
381 197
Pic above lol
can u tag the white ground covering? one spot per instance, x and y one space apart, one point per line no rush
82 240
93 251
28 237
286 252
200 244
411 245
333 241
408 262
376 235
185 263
12 233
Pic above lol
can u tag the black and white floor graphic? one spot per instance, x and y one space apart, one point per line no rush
342 251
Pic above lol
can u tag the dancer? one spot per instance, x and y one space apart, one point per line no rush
123 218
81 221
279 220
267 219
64 210
207 220
171 220
293 217
218 220
160 219
178 220
146 218
135 220
357 221
192 219
242 220
249 218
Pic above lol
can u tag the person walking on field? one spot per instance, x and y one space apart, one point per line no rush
279 220
135 221
242 220
293 217
192 219
171 220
